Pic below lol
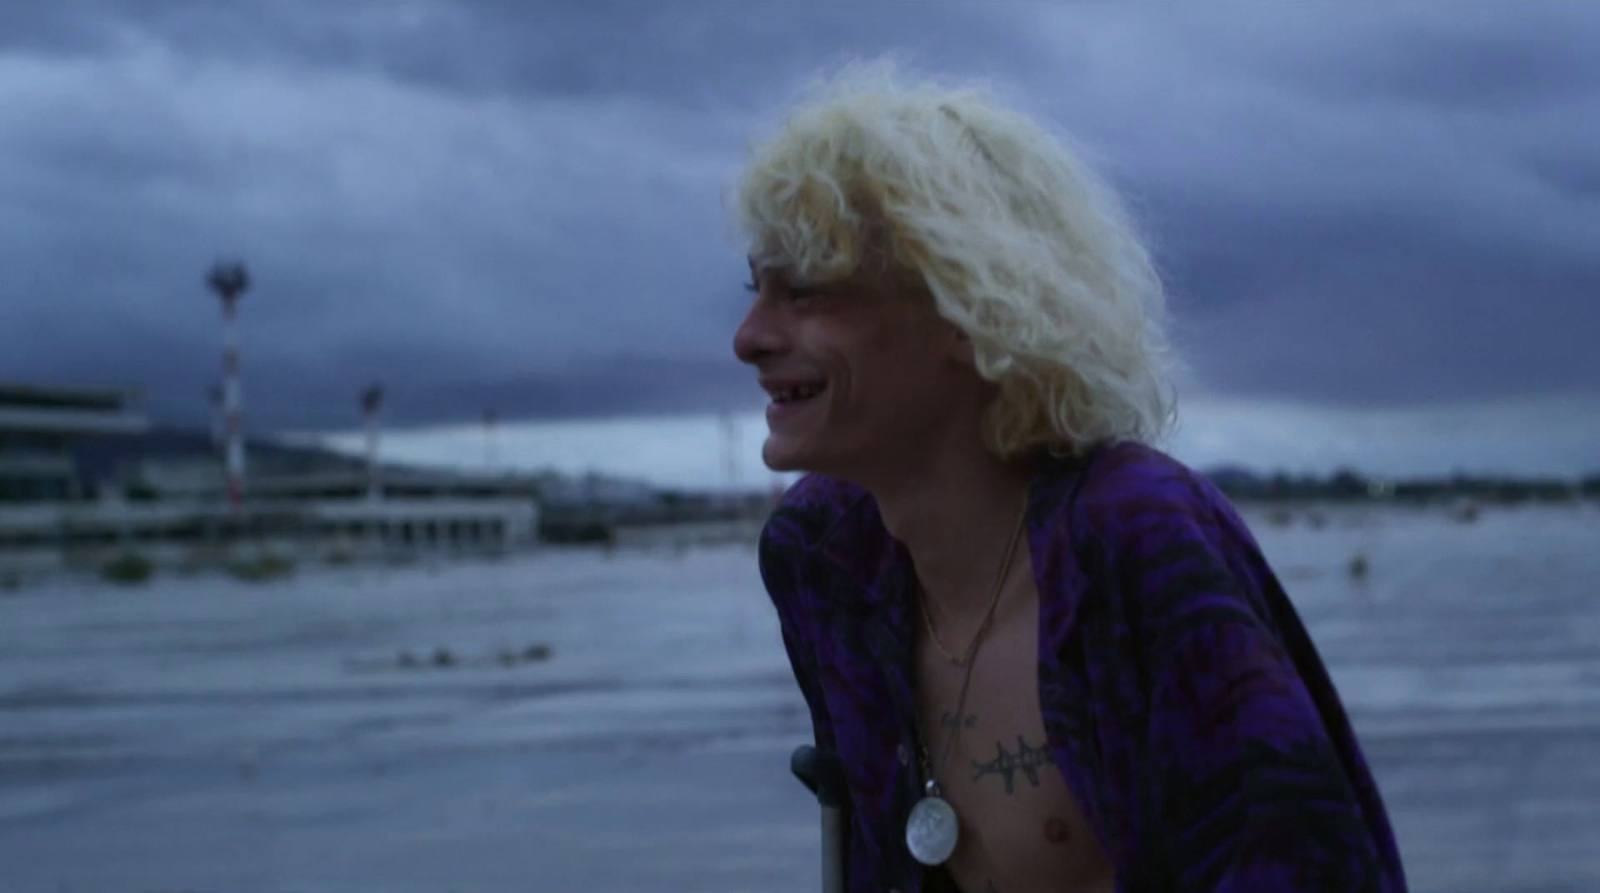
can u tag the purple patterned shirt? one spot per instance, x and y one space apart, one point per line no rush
1185 705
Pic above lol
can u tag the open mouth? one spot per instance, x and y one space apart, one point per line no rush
797 394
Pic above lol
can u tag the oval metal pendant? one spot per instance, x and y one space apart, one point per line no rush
932 831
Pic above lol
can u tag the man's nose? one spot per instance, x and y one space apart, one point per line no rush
759 336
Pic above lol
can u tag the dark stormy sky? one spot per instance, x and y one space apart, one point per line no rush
1359 207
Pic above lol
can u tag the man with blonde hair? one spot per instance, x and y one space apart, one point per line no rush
1049 656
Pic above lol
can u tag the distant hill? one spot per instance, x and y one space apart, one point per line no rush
1234 478
98 458
1242 484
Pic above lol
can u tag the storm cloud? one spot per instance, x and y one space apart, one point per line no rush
520 205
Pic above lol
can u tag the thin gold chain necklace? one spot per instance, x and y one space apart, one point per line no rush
932 828
988 615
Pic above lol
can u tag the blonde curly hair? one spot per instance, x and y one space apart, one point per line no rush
1019 243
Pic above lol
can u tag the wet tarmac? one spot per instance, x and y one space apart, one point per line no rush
306 736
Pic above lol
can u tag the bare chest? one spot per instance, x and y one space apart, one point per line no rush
1021 828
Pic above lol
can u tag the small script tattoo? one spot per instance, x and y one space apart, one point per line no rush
949 721
1006 764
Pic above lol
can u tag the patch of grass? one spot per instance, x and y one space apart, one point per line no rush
261 569
129 569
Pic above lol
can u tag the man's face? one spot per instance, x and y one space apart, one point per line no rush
859 371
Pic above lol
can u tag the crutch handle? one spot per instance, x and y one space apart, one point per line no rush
822 772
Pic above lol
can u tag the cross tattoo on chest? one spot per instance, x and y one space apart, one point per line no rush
1027 760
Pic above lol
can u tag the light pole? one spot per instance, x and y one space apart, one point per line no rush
230 280
491 452
371 402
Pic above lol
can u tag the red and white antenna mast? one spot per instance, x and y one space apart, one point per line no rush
230 280
219 429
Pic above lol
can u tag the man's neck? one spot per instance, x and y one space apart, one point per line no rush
955 511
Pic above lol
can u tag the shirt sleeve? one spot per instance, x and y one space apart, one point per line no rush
780 573
1250 790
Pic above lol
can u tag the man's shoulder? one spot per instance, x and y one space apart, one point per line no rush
809 509
1128 488
804 527
820 495
1172 534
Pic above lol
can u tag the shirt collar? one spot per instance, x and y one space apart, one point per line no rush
859 546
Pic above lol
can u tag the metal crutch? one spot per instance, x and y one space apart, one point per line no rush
822 772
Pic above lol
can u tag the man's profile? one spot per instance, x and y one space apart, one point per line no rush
998 598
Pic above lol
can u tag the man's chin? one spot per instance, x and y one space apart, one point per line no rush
780 456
